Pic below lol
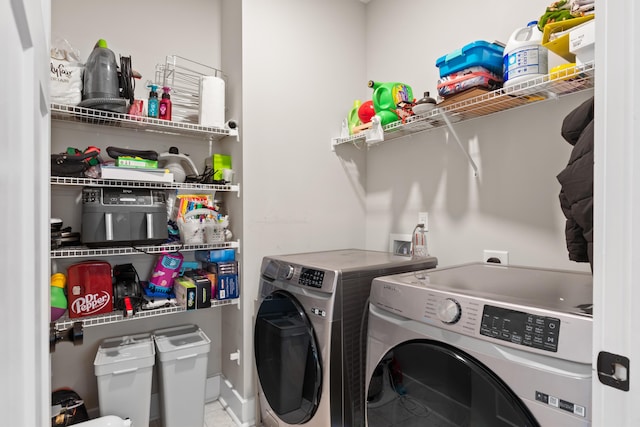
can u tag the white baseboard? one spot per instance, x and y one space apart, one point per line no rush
241 410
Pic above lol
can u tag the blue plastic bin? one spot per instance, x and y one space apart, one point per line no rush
476 54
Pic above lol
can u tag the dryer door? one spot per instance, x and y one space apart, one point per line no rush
287 358
429 383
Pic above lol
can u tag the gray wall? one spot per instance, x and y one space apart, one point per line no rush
301 63
513 203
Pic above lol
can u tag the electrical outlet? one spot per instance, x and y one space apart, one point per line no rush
423 218
499 257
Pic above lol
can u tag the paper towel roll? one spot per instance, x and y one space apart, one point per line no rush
211 109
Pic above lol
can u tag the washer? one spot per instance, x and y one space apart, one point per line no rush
310 334
480 345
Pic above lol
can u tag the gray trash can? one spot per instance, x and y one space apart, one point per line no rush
182 354
124 368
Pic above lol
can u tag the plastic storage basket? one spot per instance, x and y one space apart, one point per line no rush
182 353
477 54
124 369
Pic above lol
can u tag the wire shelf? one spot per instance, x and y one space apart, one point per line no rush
61 112
90 182
183 76
83 251
551 86
114 317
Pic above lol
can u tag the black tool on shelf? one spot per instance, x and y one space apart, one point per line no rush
75 334
127 290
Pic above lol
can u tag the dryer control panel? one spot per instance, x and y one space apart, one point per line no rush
311 277
522 328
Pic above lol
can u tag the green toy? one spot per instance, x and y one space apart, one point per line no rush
388 97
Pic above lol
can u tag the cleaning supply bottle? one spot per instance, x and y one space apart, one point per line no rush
58 298
153 101
387 97
524 56
419 242
352 119
165 104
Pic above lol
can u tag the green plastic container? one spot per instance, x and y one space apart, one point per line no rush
353 120
387 96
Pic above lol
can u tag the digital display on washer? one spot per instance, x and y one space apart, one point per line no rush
310 277
521 328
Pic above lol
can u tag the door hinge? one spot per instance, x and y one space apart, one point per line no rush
613 370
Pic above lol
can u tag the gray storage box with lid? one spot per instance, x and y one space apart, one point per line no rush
124 369
182 353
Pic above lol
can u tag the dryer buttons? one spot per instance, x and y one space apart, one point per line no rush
319 312
449 311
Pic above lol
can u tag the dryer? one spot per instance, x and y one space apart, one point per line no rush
310 334
480 345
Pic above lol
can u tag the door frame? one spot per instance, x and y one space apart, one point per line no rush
25 132
616 207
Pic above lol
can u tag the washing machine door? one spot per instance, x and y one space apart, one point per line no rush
287 358
429 383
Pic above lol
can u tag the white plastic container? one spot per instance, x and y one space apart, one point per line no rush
182 353
524 56
108 421
124 370
582 42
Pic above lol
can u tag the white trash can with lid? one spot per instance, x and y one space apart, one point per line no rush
124 368
182 353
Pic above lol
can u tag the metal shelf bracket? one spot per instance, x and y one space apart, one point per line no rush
455 136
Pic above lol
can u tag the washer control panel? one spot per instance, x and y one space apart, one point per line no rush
311 277
522 328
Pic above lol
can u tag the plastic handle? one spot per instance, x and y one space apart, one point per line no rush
191 168
188 356
149 226
201 211
108 226
124 371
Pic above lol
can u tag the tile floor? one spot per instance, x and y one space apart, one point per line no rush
214 416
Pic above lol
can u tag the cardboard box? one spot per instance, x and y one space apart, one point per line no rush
185 291
213 279
223 267
136 162
220 162
203 289
216 255
227 284
227 287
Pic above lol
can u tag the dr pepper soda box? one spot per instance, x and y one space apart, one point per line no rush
89 288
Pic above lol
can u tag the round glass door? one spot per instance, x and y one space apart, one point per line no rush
287 358
428 383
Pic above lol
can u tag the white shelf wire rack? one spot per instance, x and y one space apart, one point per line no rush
115 317
91 182
83 251
551 86
183 76
71 113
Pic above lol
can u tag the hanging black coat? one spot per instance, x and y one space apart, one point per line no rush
576 181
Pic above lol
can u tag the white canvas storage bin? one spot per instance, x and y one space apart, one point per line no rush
182 354
124 368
